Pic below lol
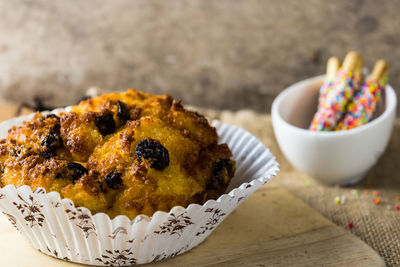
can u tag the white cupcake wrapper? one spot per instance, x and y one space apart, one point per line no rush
59 229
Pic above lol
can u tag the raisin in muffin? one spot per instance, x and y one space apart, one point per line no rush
124 153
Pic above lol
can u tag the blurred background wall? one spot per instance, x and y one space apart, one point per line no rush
222 54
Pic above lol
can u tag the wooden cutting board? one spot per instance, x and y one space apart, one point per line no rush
270 228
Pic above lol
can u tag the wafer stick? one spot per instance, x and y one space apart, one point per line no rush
364 103
332 66
333 106
358 75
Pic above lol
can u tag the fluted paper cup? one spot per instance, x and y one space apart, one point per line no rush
57 228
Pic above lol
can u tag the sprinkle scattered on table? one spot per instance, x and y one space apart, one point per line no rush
396 198
376 193
365 191
354 192
397 207
377 201
351 225
340 199
308 183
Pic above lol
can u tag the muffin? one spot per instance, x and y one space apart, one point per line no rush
126 153
83 146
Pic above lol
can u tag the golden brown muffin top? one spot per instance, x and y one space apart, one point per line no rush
123 153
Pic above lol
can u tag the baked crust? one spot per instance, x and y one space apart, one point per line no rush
123 153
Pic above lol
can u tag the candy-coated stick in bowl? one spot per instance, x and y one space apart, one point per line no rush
332 66
332 107
364 103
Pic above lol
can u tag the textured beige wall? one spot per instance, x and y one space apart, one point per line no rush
221 54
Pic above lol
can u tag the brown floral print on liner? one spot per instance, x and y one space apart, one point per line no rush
212 222
54 253
39 190
55 204
11 219
118 230
140 218
240 199
117 258
145 237
83 220
130 240
175 224
31 211
164 256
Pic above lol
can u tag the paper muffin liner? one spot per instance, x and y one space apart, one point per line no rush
57 228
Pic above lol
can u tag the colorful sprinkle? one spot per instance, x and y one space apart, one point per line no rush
308 183
396 198
365 192
397 207
376 193
362 106
340 199
377 201
333 101
351 225
354 192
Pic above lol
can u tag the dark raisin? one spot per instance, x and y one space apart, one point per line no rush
123 112
153 151
56 129
114 180
50 143
105 124
48 154
77 170
51 115
58 175
222 171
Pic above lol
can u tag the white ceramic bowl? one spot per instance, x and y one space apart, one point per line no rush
342 157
